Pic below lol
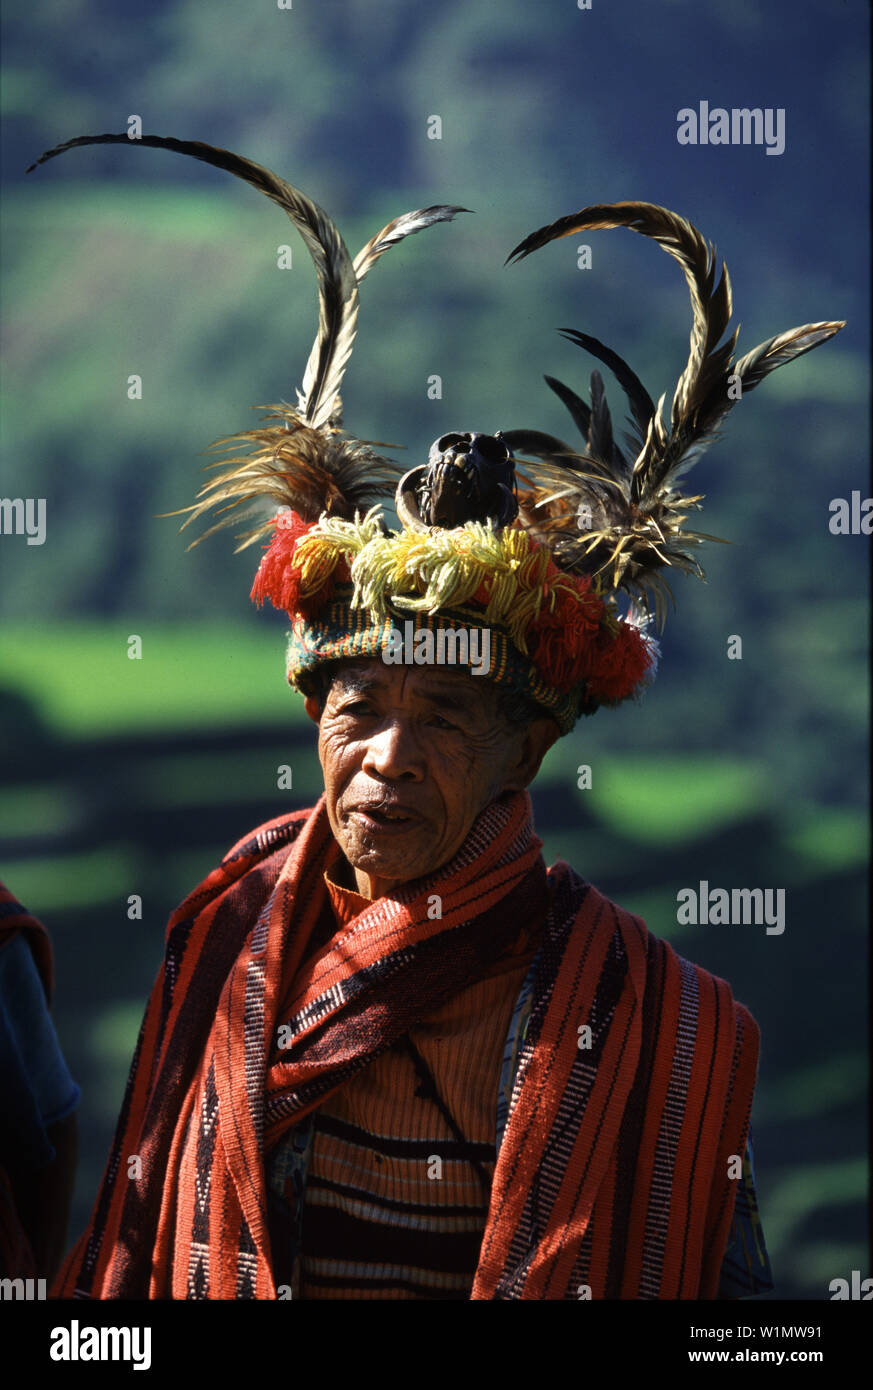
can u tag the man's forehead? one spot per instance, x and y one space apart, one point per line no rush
426 683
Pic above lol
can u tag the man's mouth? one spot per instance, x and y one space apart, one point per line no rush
386 818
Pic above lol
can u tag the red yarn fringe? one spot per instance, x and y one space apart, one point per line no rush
618 664
277 578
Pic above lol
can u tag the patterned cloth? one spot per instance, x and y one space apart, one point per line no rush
376 1199
612 1174
395 1206
745 1269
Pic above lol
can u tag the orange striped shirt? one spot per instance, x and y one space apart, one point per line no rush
394 1208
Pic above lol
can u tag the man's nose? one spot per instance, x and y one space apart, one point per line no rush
394 752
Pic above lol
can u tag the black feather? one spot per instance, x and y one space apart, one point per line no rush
578 409
538 443
601 444
641 404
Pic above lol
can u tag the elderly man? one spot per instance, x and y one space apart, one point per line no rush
395 1057
391 1054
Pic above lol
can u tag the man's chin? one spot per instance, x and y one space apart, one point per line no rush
398 857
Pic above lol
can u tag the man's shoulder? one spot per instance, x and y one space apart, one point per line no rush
661 956
574 896
254 859
267 838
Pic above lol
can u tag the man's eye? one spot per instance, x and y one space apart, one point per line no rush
442 723
356 707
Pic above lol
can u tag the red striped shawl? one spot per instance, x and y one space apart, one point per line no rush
612 1174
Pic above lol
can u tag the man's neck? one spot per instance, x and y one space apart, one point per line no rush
344 876
370 887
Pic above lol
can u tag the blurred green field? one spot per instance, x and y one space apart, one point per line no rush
79 679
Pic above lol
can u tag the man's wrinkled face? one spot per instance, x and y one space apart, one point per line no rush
410 757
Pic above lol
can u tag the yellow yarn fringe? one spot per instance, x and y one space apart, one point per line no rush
430 570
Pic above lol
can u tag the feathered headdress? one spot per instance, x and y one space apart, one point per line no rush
536 555
617 513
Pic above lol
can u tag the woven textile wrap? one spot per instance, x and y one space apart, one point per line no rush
612 1171
16 1255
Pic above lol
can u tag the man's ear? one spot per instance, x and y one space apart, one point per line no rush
313 708
538 739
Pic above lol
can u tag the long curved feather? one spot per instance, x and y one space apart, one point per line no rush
687 446
303 461
784 347
407 224
634 532
391 235
337 282
711 303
